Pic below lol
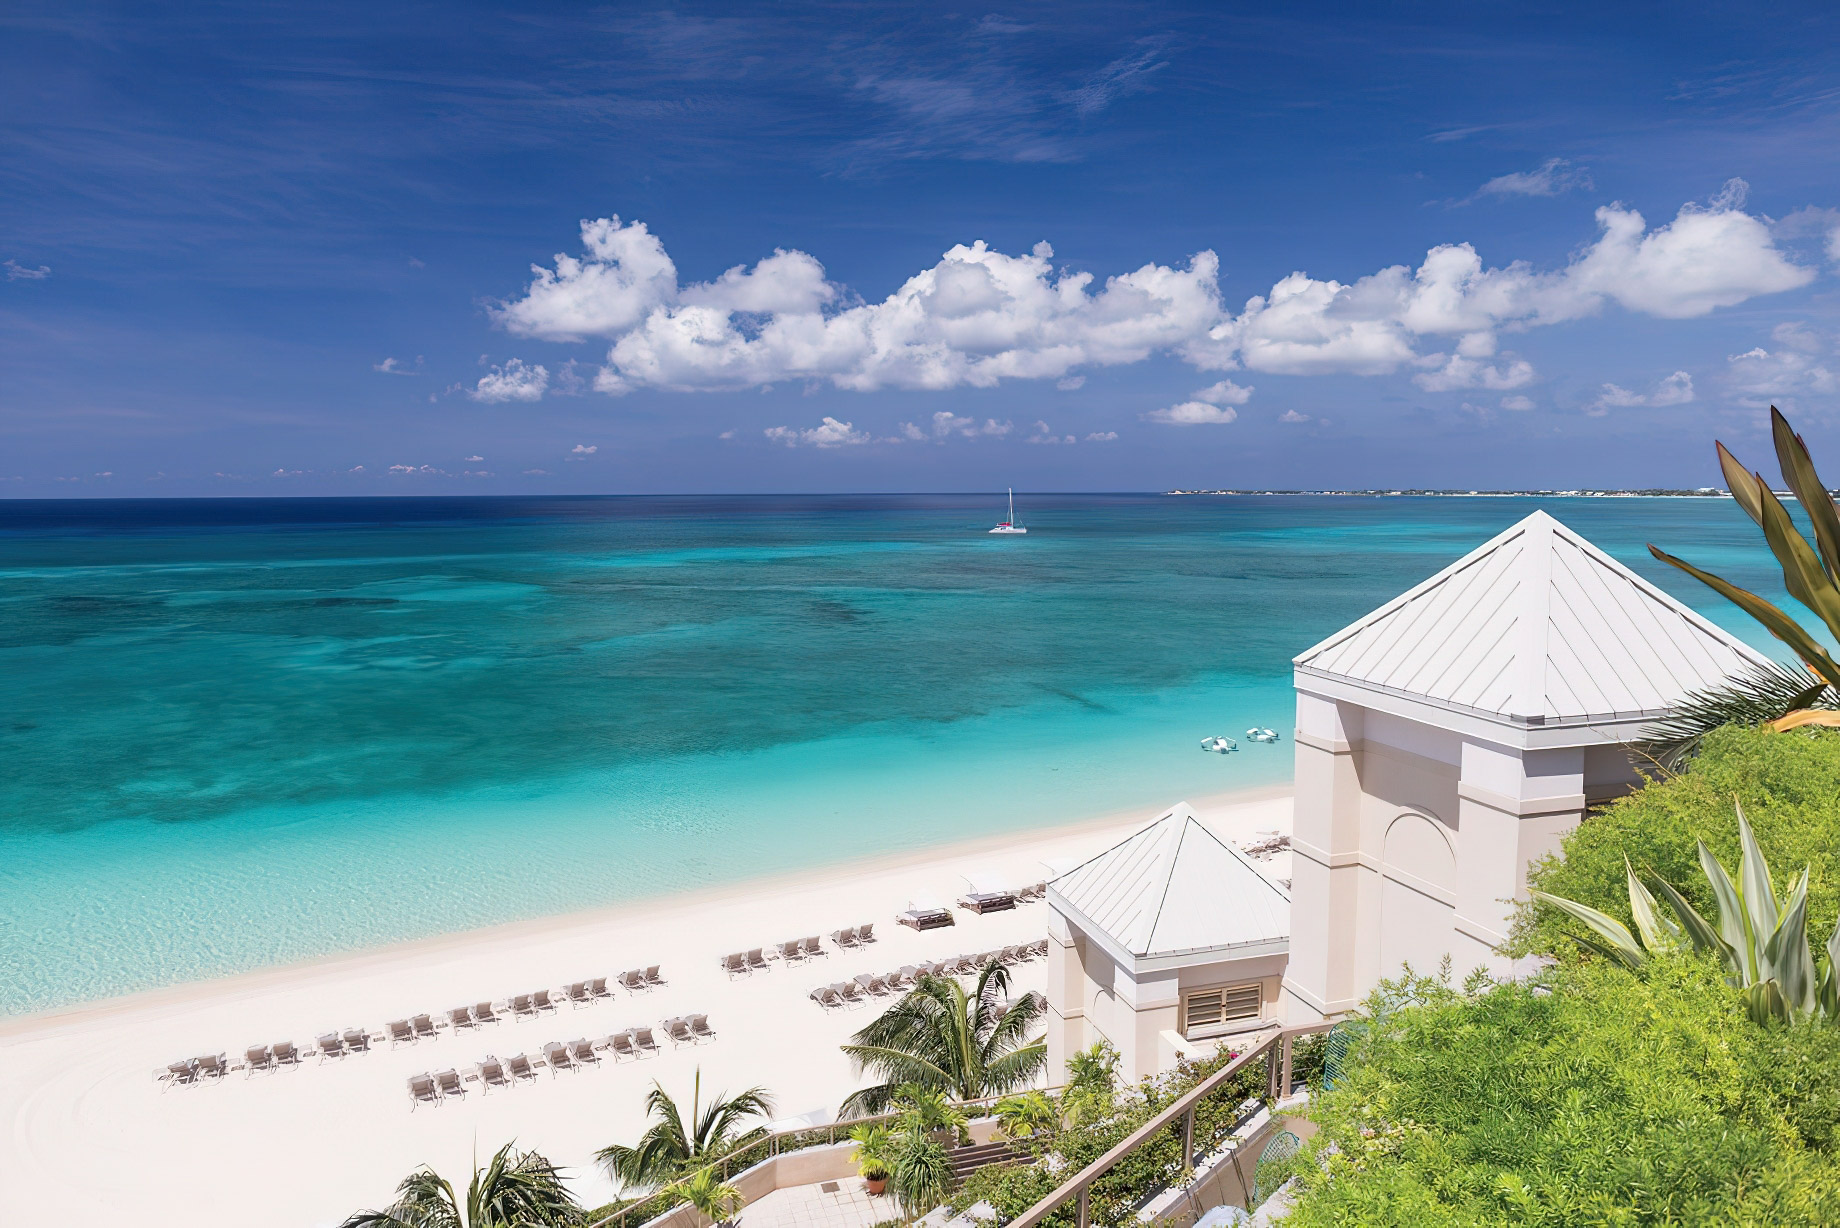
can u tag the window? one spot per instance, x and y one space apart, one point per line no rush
1215 1010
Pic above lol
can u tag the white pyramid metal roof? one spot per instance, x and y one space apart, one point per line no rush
1175 888
1536 624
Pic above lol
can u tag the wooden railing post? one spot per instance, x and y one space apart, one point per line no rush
1188 1138
1084 1216
1285 1090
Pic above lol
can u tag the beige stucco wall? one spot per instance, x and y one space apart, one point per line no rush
1412 841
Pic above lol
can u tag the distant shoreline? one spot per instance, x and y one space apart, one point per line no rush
1704 493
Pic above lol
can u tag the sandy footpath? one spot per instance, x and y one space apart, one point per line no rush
98 1140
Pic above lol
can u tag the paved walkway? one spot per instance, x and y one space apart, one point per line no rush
829 1204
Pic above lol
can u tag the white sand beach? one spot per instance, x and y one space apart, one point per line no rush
102 1140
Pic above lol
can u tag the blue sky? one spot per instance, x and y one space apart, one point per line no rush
288 249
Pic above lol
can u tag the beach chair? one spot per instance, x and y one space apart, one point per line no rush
904 977
699 1027
519 1067
583 1051
597 988
964 965
1012 955
652 979
577 994
813 947
399 1032
735 965
212 1066
423 1027
634 981
644 1041
865 934
449 1083
845 937
492 1074
849 991
422 1091
287 1053
827 997
620 1044
1033 892
179 1074
257 1057
791 952
459 1017
1039 948
677 1031
872 984
757 960
521 1005
357 1040
557 1055
485 1012
542 1001
330 1046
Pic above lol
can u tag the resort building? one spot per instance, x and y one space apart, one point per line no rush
1451 737
1161 945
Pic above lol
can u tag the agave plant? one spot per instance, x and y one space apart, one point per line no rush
1811 573
1763 946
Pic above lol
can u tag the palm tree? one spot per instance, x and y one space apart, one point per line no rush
670 1148
711 1195
969 1044
516 1190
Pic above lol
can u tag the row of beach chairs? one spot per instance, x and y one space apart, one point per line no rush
572 1056
795 950
867 985
350 1041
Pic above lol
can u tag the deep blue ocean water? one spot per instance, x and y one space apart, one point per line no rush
238 732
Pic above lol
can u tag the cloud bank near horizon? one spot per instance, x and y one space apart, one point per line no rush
978 316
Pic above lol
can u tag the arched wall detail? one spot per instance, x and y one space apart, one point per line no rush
1417 893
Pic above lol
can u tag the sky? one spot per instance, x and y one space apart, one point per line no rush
281 249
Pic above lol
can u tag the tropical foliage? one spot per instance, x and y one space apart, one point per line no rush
919 1171
515 1190
873 1147
1588 1097
968 1043
1761 943
1811 573
675 1144
1026 1114
705 1190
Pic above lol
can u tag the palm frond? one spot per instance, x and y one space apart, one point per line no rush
1765 693
423 1200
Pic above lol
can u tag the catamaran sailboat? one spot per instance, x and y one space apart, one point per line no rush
1009 525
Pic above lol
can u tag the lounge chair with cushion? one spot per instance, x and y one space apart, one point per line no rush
578 994
597 988
520 1067
905 976
583 1051
422 1091
357 1040
459 1017
813 947
522 1005
257 1057
735 965
286 1053
634 980
212 1066
865 933
871 984
791 952
678 1032
699 1027
827 997
849 991
492 1074
399 1032
644 1041
330 1046
542 1001
178 1074
620 1044
652 979
424 1027
845 937
449 1083
757 960
485 1012
557 1055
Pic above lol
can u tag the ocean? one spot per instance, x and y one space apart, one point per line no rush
242 732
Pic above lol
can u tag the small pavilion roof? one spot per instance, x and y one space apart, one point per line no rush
1175 888
1535 625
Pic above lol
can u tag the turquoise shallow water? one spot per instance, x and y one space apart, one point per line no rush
241 732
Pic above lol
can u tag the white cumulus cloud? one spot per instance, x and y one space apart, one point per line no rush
1676 389
1226 392
19 272
829 433
1194 413
584 449
1796 368
512 382
1101 436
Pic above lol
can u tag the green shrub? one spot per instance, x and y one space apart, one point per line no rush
1590 1097
1789 784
